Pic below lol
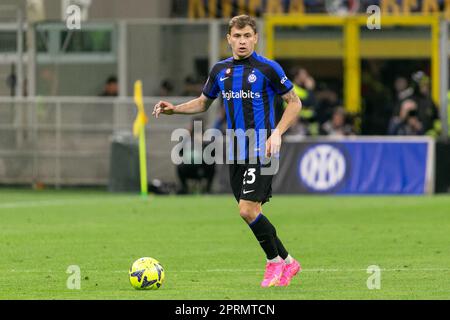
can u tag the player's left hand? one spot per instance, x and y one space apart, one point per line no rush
273 144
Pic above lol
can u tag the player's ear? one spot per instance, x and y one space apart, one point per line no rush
228 38
256 37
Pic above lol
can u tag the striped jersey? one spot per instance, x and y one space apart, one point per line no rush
248 88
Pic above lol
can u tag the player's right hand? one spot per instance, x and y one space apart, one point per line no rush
163 107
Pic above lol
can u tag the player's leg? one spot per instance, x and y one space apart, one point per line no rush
280 247
265 233
263 230
291 266
258 187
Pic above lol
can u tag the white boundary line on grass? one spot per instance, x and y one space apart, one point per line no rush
60 202
248 270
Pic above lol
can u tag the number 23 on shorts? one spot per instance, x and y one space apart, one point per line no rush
250 173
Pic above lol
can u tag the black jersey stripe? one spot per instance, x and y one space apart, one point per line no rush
247 104
249 117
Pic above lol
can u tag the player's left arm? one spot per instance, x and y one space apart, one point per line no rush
289 118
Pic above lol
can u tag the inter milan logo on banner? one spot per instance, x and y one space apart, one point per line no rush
322 167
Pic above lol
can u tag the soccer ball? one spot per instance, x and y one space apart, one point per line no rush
146 273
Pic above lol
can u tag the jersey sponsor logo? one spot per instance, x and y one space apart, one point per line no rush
322 167
241 94
284 79
252 78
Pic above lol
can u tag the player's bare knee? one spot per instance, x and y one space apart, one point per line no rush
246 215
248 211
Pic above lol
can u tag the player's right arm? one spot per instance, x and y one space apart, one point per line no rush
198 105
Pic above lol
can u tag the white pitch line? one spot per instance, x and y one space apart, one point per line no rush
245 270
48 203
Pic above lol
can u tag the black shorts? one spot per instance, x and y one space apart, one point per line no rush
248 183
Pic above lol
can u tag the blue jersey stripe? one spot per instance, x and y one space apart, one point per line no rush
259 114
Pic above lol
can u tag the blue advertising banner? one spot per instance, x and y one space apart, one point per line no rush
356 166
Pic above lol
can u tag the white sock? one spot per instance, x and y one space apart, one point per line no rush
289 259
277 259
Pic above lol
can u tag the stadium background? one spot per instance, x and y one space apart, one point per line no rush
57 131
63 127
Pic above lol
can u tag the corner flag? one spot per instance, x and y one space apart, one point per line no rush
139 131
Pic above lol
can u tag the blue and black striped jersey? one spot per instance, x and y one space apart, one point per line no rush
248 88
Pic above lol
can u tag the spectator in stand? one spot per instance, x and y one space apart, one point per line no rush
192 88
403 90
304 85
327 101
111 88
189 170
377 104
407 123
165 89
338 124
427 110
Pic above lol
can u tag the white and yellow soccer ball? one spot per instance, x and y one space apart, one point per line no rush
146 274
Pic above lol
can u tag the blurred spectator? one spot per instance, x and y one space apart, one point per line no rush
166 88
327 101
407 122
192 88
403 90
377 104
188 170
11 80
338 124
304 85
427 110
111 88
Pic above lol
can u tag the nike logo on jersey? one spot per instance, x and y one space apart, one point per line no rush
223 79
248 191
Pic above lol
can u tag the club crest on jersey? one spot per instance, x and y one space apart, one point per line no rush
252 78
228 72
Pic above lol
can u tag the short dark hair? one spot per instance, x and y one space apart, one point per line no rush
241 22
111 79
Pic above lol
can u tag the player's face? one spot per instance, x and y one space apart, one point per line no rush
242 41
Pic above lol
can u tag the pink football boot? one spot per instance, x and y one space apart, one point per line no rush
273 273
289 271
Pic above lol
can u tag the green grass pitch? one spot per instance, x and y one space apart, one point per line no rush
208 252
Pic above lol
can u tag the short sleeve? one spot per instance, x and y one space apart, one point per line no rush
211 88
278 79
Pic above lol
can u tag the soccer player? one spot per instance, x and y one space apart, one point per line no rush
248 84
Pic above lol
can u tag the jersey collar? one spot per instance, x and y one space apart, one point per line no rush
246 60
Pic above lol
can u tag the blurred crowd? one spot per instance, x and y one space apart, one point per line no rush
402 106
